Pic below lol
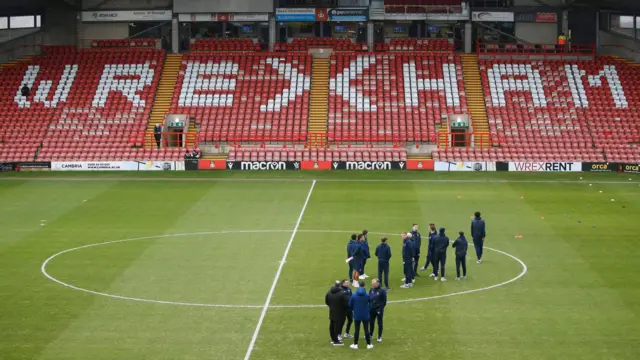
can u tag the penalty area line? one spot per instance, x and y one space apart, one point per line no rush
277 277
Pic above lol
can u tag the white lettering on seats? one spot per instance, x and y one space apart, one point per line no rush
44 87
298 83
529 80
342 84
202 79
113 79
574 75
448 84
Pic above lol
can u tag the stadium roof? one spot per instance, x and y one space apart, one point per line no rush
620 5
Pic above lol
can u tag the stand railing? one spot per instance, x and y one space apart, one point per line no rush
167 139
464 139
554 51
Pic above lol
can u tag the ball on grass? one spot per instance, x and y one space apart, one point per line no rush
580 177
590 184
613 199
600 191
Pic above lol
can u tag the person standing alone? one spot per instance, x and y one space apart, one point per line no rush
440 255
338 302
461 255
359 304
157 134
383 252
478 234
378 298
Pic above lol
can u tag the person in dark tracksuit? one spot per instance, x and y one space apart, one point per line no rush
478 233
407 261
359 304
350 249
417 244
383 252
461 246
433 234
338 302
440 255
358 259
378 300
157 134
346 288
367 253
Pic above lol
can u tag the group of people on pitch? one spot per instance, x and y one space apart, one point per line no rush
437 251
365 308
361 308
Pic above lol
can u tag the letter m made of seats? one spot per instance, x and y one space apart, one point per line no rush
412 84
574 76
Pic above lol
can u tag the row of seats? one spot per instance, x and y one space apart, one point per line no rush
304 44
337 154
124 43
416 45
253 95
384 95
517 154
224 45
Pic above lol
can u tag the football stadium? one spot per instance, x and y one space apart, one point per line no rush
285 179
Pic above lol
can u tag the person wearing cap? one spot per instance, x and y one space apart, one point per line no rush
460 245
338 302
440 255
478 234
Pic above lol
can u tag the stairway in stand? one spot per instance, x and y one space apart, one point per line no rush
319 103
475 99
162 102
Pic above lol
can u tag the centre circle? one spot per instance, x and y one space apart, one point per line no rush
245 233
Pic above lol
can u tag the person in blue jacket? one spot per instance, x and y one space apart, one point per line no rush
378 298
367 254
440 255
417 244
350 249
461 255
359 304
383 252
433 234
407 261
478 233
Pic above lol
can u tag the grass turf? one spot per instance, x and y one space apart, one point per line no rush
579 299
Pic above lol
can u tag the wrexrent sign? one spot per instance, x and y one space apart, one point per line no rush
545 166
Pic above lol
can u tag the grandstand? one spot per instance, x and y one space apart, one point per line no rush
382 100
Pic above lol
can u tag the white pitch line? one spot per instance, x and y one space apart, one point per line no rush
275 279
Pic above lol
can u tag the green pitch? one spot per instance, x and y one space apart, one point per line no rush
579 298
